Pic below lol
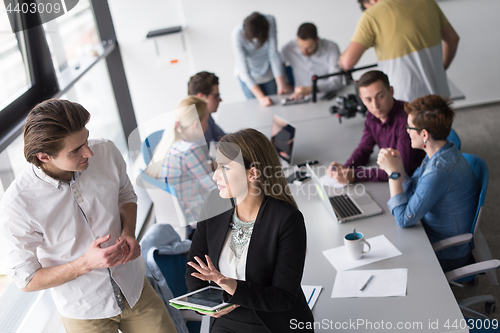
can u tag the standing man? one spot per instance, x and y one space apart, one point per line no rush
205 85
310 55
385 126
414 43
68 224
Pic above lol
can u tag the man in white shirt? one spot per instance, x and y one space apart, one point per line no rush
68 224
310 55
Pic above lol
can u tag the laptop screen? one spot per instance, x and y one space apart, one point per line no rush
283 138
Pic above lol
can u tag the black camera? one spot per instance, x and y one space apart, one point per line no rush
347 106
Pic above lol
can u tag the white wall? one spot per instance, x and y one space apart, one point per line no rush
157 87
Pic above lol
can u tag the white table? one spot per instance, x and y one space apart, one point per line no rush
320 136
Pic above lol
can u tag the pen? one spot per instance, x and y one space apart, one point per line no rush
366 283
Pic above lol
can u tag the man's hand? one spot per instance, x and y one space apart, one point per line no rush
265 101
97 257
133 249
300 92
340 173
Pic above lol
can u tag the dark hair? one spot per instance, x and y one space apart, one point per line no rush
257 151
307 31
362 4
48 124
432 113
371 77
256 26
202 82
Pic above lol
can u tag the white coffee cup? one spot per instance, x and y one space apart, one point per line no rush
354 244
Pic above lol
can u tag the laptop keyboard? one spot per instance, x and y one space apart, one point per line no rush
344 207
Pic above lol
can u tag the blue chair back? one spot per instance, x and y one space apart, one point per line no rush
159 183
173 268
453 137
149 145
289 74
482 175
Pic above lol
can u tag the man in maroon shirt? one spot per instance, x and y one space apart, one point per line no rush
385 126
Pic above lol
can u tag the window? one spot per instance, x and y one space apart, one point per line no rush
12 162
73 38
14 72
94 92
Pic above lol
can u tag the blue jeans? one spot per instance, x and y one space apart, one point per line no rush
268 88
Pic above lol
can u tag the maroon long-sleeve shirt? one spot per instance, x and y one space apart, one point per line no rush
390 134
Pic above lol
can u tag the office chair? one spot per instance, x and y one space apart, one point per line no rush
482 252
173 268
489 266
149 145
453 137
164 253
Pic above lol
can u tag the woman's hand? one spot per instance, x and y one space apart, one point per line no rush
207 272
220 313
390 161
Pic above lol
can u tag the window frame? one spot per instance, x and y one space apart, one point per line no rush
44 80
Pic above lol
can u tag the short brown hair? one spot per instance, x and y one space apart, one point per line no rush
202 82
257 151
371 77
432 113
48 124
256 26
362 4
307 31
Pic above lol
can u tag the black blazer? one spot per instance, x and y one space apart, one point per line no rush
275 260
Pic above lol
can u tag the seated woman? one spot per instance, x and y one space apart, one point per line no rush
251 240
181 157
443 192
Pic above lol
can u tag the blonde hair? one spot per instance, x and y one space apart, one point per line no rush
257 151
189 110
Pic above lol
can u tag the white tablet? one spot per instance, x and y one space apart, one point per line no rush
207 299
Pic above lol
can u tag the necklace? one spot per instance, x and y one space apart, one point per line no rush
240 235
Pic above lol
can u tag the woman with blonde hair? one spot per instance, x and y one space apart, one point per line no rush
251 240
181 157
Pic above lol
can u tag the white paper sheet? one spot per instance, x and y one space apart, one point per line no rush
311 293
382 249
328 181
385 283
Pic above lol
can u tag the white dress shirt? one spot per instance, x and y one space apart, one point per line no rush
229 264
323 61
45 222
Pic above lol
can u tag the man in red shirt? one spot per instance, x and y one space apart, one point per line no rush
385 126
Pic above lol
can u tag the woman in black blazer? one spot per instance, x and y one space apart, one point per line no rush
251 241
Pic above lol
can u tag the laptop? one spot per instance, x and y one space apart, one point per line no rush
283 139
345 207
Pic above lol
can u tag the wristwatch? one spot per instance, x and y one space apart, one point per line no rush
394 175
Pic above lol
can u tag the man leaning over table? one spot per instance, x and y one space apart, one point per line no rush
385 126
310 55
68 224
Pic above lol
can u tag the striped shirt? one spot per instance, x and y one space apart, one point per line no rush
406 36
256 65
186 169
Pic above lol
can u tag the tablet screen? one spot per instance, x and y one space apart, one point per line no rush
210 297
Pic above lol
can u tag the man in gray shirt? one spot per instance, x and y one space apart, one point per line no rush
310 55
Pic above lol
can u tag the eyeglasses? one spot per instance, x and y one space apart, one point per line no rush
412 128
216 96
